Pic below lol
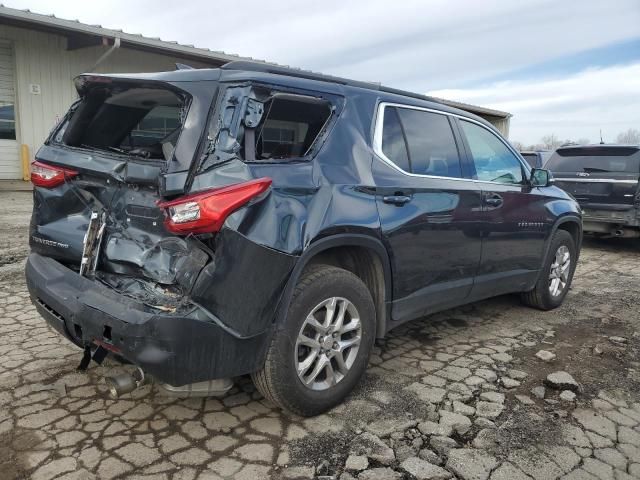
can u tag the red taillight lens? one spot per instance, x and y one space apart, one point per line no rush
48 176
206 212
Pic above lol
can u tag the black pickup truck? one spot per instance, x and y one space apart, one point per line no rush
604 179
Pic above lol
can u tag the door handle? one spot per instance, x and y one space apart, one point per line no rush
493 200
396 199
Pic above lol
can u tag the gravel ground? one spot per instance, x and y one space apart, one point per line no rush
460 394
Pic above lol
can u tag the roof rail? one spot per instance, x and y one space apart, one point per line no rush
299 73
295 72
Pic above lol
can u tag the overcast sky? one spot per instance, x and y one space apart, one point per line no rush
568 67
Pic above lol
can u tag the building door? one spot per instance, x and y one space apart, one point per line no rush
10 167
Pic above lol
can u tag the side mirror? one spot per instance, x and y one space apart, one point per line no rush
541 177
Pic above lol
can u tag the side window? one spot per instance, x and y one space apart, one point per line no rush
432 146
420 142
290 126
493 161
393 144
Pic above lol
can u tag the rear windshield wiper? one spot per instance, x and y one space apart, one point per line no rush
595 169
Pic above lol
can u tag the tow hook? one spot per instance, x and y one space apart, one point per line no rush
125 382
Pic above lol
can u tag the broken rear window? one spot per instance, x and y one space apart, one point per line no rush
290 125
257 124
139 121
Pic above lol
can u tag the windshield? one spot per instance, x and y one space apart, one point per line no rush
142 122
616 160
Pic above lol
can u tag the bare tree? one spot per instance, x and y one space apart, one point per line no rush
551 142
630 137
518 145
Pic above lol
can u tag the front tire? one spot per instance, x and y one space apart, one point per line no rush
556 273
321 350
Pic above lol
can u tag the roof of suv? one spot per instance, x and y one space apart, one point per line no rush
584 149
246 70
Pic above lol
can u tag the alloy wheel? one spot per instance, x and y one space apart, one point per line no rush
328 343
559 273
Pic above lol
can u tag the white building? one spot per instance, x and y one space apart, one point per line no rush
41 54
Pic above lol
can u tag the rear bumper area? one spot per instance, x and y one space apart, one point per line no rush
622 217
175 349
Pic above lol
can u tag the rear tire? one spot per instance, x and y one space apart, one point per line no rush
312 339
555 276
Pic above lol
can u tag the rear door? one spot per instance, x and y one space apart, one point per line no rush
428 210
599 177
514 220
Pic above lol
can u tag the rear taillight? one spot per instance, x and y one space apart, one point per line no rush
206 212
48 176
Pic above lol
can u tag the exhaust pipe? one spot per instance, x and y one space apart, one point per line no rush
626 233
210 388
125 383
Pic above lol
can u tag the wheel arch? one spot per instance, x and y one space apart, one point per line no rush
573 225
363 255
570 223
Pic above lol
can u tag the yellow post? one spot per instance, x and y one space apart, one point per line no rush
24 156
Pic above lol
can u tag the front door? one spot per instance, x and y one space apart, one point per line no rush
515 223
428 211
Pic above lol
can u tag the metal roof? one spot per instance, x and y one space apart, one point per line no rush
77 29
53 24
474 108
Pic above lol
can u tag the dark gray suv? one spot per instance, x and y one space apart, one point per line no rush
205 224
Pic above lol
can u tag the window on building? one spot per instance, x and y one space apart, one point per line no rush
7 121
493 161
156 125
420 142
290 126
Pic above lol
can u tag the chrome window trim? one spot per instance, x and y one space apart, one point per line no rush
377 143
594 180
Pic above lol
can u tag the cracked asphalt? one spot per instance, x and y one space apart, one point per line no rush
461 394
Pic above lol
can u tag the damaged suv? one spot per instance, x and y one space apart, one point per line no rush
251 219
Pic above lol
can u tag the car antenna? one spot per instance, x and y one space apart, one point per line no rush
601 141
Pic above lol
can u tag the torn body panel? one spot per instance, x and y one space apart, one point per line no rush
177 349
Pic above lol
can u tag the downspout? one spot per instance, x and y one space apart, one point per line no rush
105 55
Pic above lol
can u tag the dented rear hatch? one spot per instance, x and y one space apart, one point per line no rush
101 175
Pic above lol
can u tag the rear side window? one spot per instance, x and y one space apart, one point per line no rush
420 142
595 159
393 143
290 126
492 160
